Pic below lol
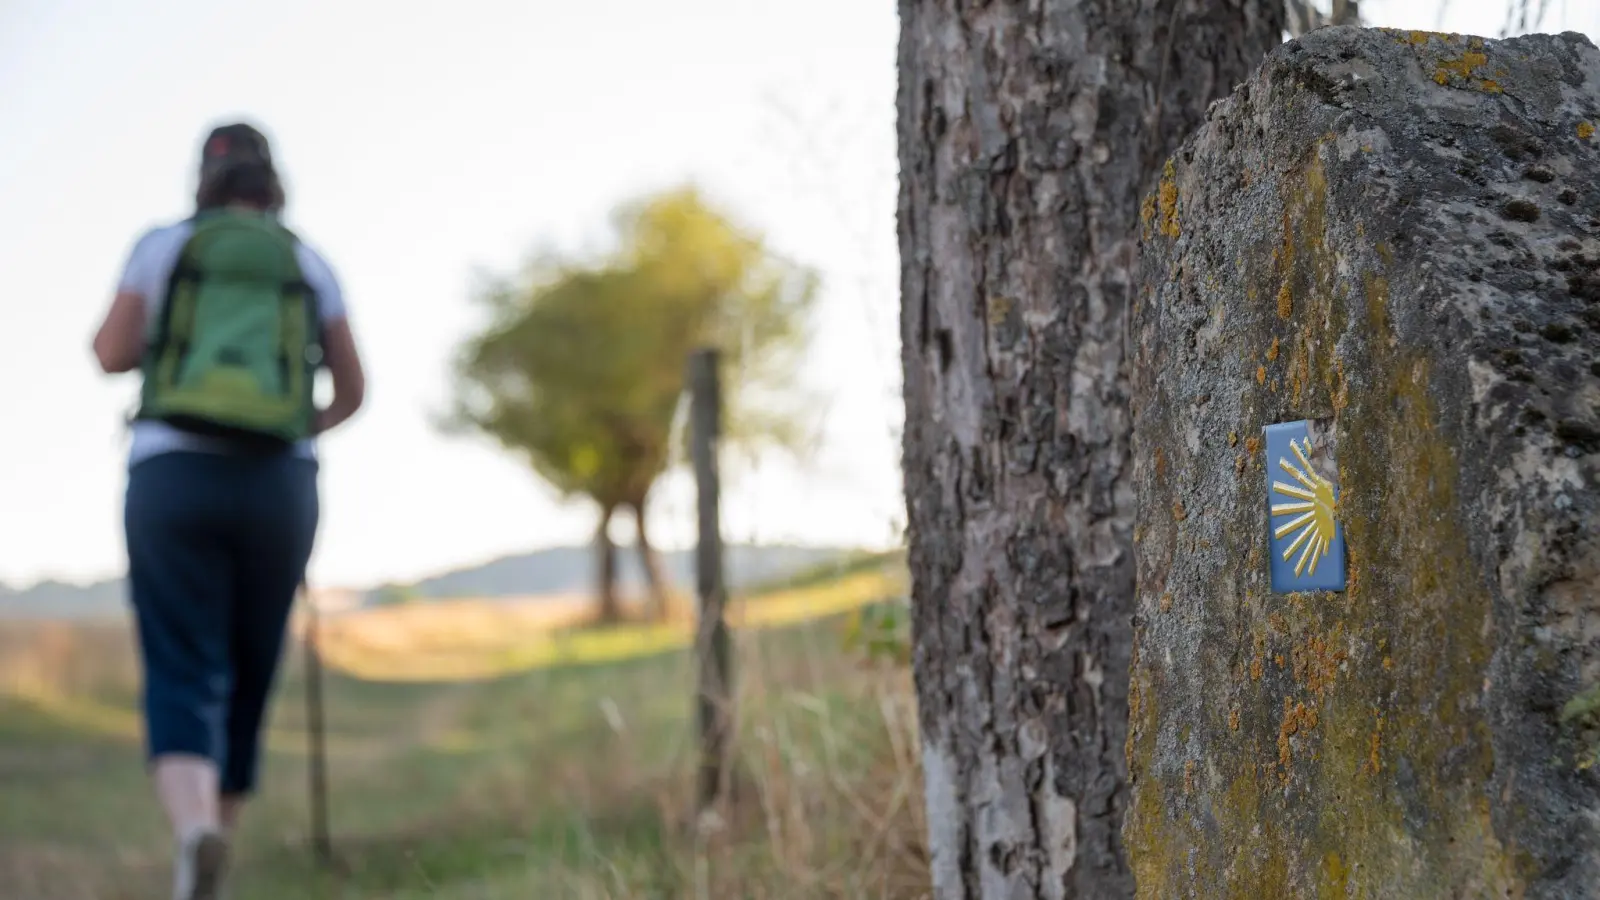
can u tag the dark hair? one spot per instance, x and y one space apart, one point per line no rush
253 183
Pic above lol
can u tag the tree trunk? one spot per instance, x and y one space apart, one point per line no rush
650 560
608 606
1028 133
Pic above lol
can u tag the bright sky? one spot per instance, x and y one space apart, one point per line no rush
420 145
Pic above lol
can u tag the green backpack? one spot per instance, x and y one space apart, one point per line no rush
235 351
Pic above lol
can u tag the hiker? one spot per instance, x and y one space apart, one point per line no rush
228 316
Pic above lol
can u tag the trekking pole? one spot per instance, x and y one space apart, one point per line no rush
321 842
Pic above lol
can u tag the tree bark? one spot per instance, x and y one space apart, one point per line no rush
1028 134
650 561
608 607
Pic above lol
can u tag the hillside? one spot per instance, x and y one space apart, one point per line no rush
557 570
565 569
61 600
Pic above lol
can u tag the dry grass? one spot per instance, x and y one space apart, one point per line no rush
475 639
562 780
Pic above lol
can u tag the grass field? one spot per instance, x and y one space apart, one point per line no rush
474 760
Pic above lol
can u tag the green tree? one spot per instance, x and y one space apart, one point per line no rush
395 595
581 367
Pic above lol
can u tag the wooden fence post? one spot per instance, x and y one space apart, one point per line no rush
715 690
321 841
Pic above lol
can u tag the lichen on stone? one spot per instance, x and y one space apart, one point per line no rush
1167 199
1395 740
1582 714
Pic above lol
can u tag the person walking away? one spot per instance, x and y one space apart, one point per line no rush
228 316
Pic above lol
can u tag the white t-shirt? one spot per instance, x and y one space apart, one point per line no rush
147 272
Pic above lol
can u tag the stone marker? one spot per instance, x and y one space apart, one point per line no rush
1389 243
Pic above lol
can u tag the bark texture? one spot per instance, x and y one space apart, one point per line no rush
655 578
1028 131
608 603
1397 232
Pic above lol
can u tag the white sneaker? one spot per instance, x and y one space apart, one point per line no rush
202 862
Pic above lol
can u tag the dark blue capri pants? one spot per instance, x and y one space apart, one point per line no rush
217 547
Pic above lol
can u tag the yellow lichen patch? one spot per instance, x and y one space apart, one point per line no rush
1463 69
1167 198
1166 602
1466 65
1283 255
1352 583
1335 883
1233 719
1300 375
1233 439
999 308
1282 664
1374 762
1377 290
1297 718
1252 445
1272 352
1317 661
1585 130
1419 38
1261 374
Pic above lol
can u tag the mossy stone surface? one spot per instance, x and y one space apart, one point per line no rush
1398 232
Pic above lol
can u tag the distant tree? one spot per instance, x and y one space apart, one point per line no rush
395 595
581 368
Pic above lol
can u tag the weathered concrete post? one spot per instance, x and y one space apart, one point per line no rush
1355 632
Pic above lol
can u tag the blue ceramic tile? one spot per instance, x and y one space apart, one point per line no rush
1305 539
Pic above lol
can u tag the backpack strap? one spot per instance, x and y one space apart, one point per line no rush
184 275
